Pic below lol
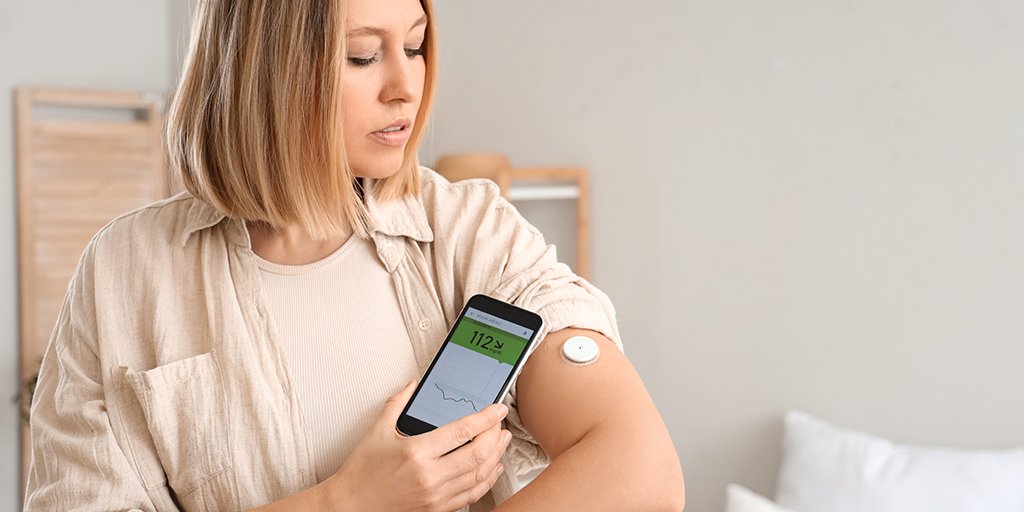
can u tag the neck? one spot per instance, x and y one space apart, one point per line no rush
291 245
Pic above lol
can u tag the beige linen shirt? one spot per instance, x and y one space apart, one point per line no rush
164 387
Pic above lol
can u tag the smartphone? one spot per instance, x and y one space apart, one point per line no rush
474 367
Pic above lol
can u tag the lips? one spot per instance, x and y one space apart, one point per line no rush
399 124
395 134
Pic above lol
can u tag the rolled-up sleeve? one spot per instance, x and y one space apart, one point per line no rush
77 463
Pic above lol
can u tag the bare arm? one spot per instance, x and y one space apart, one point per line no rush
610 449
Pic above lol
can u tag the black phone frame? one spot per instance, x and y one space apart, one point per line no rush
410 426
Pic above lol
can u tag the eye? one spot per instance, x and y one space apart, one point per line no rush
361 62
414 52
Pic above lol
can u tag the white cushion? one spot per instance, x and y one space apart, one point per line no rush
827 469
741 499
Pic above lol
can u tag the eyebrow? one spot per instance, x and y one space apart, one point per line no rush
377 31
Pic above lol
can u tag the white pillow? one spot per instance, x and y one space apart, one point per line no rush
827 469
741 499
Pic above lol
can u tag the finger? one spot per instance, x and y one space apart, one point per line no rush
459 432
474 493
394 405
485 450
479 465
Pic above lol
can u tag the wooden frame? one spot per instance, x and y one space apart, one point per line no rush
74 174
496 167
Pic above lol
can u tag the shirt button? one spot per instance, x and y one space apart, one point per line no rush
424 324
389 247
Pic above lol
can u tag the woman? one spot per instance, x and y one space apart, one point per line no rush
230 348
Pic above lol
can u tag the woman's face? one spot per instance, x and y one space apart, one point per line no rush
383 82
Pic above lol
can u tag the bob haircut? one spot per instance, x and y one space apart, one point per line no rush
255 126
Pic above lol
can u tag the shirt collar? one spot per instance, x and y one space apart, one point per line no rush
404 216
199 217
401 217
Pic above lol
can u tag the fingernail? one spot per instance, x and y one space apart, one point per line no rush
502 410
500 468
507 436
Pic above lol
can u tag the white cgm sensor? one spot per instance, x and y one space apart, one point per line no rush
580 350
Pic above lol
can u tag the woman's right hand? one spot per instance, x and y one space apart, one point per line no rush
439 471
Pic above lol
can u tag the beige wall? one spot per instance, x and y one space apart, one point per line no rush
796 204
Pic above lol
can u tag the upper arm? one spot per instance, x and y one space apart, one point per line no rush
560 403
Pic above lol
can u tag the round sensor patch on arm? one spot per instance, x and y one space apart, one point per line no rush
580 350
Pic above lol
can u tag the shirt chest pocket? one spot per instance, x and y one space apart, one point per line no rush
185 410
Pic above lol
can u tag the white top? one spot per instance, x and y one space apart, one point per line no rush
345 342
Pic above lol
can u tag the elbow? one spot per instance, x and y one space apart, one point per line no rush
679 490
655 474
660 488
662 493
667 493
677 496
662 496
671 495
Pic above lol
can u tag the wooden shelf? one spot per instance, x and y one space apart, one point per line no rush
529 184
542 192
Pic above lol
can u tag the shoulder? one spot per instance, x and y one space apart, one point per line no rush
159 223
436 191
471 203
133 245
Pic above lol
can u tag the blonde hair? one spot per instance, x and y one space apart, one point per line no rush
254 128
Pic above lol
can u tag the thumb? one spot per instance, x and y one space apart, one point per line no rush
394 405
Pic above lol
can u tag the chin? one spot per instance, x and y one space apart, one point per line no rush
376 175
377 170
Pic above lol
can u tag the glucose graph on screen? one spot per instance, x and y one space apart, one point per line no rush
444 396
479 379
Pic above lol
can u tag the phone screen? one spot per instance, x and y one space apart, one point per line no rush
472 368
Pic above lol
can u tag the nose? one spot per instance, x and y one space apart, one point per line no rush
401 82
